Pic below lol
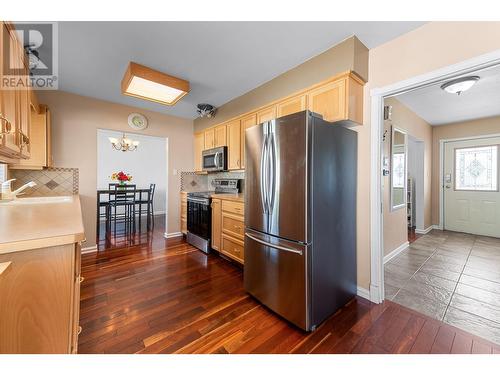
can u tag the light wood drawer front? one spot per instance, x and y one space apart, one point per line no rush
237 208
233 225
233 248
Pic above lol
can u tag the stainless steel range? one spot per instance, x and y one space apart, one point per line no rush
199 213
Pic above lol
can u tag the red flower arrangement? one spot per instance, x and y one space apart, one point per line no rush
121 177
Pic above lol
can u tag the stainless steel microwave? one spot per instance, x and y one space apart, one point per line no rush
214 159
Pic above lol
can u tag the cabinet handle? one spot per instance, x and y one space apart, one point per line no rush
80 279
4 266
79 330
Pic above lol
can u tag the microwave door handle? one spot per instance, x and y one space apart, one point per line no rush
216 159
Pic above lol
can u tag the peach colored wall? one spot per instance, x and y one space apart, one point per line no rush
350 54
75 120
427 48
395 222
464 129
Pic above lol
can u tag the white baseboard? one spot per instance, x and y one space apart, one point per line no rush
172 235
426 230
89 249
437 226
362 292
396 251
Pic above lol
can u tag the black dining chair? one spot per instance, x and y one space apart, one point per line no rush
148 202
121 196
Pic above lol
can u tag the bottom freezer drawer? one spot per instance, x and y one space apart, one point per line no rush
276 274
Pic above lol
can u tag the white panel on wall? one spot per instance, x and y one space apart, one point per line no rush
148 164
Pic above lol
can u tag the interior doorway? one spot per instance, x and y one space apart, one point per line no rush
147 165
416 186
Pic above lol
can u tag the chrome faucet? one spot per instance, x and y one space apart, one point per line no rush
8 194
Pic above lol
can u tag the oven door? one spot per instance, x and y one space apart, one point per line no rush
199 217
215 159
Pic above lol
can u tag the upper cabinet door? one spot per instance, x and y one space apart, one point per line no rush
209 138
9 102
220 136
234 144
292 105
246 122
198 148
329 100
266 114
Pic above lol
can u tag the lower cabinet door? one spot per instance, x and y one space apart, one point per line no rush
36 300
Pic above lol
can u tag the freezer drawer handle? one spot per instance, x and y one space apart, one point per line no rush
274 246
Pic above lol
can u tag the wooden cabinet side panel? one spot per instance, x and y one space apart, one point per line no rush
198 149
355 101
36 296
216 223
234 145
245 123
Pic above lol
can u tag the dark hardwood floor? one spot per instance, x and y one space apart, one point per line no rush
164 296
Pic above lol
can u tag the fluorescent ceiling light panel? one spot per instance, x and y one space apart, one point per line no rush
145 83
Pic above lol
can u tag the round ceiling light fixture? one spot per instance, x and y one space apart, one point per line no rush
459 85
206 110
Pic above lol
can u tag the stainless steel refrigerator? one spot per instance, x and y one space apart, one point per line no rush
300 216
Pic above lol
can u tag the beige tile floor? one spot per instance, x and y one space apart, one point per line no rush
453 277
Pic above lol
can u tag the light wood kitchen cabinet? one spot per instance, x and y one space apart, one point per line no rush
40 300
216 224
228 228
340 100
234 145
233 224
266 114
220 136
183 212
245 123
292 105
15 103
209 141
198 149
40 142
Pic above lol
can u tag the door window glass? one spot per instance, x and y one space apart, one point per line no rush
476 168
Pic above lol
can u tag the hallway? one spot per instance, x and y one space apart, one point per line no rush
452 277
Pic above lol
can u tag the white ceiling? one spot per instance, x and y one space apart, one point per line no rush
438 107
221 60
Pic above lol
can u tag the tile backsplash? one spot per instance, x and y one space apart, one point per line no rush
49 181
190 181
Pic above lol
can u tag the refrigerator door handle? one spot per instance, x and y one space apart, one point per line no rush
279 247
263 171
272 174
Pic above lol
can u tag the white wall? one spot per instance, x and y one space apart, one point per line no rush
148 164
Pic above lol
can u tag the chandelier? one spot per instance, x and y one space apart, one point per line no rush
123 144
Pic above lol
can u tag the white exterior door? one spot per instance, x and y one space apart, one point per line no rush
471 189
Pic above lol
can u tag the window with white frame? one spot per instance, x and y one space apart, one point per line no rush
476 168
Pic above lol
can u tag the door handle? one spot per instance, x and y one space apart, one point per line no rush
279 247
216 159
263 174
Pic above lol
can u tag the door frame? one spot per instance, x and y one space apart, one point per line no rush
441 169
376 119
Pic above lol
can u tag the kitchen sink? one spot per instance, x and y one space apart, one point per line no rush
38 200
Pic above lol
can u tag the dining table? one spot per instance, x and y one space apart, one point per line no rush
102 193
